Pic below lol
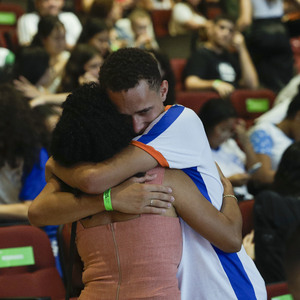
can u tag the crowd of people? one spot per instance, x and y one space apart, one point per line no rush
88 112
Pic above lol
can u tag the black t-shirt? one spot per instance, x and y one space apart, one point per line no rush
274 218
208 65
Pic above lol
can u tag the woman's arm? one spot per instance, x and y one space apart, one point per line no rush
53 206
222 228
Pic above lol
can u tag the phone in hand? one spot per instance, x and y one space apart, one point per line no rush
254 168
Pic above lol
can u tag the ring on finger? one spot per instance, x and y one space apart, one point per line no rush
151 202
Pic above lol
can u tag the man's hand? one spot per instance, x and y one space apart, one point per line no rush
223 88
135 197
238 41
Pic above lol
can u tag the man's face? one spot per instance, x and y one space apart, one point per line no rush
222 33
141 103
49 7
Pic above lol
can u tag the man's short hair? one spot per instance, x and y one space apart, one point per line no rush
123 69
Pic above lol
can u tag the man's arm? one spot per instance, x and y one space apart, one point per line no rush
249 78
95 178
196 83
245 15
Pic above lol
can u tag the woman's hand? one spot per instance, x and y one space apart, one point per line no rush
134 196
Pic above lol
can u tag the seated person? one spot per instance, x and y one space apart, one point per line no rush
27 25
214 65
223 128
185 18
276 213
95 32
270 140
142 30
23 148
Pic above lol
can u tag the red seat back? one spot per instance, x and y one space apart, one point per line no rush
178 65
195 100
277 289
160 20
39 279
246 208
250 104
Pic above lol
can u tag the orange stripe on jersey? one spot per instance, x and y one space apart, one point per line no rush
167 107
154 153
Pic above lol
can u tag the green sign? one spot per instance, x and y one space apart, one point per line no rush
7 18
257 105
283 297
14 257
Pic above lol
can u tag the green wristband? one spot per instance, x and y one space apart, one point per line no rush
107 200
216 83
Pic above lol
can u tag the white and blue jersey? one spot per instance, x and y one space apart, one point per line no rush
176 139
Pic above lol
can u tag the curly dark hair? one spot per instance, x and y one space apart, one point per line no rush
123 69
287 176
19 131
90 128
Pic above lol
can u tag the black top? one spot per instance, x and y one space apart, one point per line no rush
275 217
209 65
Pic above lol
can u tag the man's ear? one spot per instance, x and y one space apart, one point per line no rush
164 87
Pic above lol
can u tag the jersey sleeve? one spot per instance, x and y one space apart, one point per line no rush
176 140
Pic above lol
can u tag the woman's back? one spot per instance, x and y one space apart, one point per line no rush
130 256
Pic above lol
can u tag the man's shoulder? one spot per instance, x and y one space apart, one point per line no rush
182 112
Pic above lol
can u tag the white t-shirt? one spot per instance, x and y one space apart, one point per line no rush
267 138
232 160
267 9
177 140
182 13
27 27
